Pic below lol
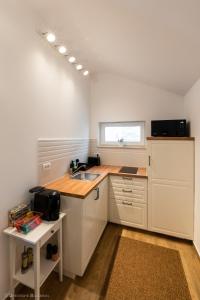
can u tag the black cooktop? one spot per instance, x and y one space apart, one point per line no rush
129 170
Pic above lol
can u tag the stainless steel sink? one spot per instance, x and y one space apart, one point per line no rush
85 176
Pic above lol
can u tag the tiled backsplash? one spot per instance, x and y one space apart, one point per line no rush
136 157
59 152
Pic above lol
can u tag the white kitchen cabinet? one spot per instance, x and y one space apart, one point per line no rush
83 228
171 187
128 201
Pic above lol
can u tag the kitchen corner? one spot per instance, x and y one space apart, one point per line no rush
68 186
113 196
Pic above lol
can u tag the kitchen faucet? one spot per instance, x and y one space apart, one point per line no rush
77 169
74 166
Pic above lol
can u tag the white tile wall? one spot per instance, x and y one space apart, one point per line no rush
120 156
59 152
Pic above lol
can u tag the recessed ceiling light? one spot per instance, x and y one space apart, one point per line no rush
72 59
79 67
50 37
62 49
86 72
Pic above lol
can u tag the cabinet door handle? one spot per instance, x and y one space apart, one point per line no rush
149 160
127 178
127 190
127 203
97 196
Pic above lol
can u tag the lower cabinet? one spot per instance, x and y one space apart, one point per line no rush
95 218
171 209
134 215
83 228
128 201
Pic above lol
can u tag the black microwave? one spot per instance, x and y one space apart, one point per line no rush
169 128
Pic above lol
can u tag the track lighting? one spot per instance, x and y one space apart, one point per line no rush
62 49
79 67
50 37
85 73
72 59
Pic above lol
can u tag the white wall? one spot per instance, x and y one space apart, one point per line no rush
192 109
115 98
41 95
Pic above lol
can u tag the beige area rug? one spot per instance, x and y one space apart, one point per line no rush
143 271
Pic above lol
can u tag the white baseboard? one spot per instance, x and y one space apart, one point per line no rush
198 250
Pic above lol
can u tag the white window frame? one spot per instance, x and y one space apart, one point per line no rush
103 125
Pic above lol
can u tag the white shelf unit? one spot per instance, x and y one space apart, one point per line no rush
46 267
38 273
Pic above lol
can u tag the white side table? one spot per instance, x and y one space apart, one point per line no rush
38 273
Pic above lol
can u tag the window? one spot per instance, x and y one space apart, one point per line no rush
122 134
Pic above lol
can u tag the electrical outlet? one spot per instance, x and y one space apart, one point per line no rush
46 166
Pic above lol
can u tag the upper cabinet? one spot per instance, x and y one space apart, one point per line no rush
171 187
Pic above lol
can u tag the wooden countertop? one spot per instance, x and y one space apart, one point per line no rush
168 138
81 188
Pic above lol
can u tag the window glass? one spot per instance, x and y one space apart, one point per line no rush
122 133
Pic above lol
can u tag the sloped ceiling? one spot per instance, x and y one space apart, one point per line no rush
154 41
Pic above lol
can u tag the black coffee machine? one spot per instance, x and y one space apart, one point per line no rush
47 202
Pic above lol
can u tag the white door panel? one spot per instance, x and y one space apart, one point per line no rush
95 218
172 160
170 209
171 187
83 228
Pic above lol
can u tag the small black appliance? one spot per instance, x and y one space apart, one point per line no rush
47 202
94 160
169 128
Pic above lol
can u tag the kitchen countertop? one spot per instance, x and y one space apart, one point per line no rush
81 188
168 138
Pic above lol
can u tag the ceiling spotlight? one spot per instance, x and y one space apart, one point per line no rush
79 67
50 37
72 59
86 72
62 49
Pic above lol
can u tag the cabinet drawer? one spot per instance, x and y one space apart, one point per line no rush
127 191
49 234
126 187
127 181
120 198
129 214
121 180
136 191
